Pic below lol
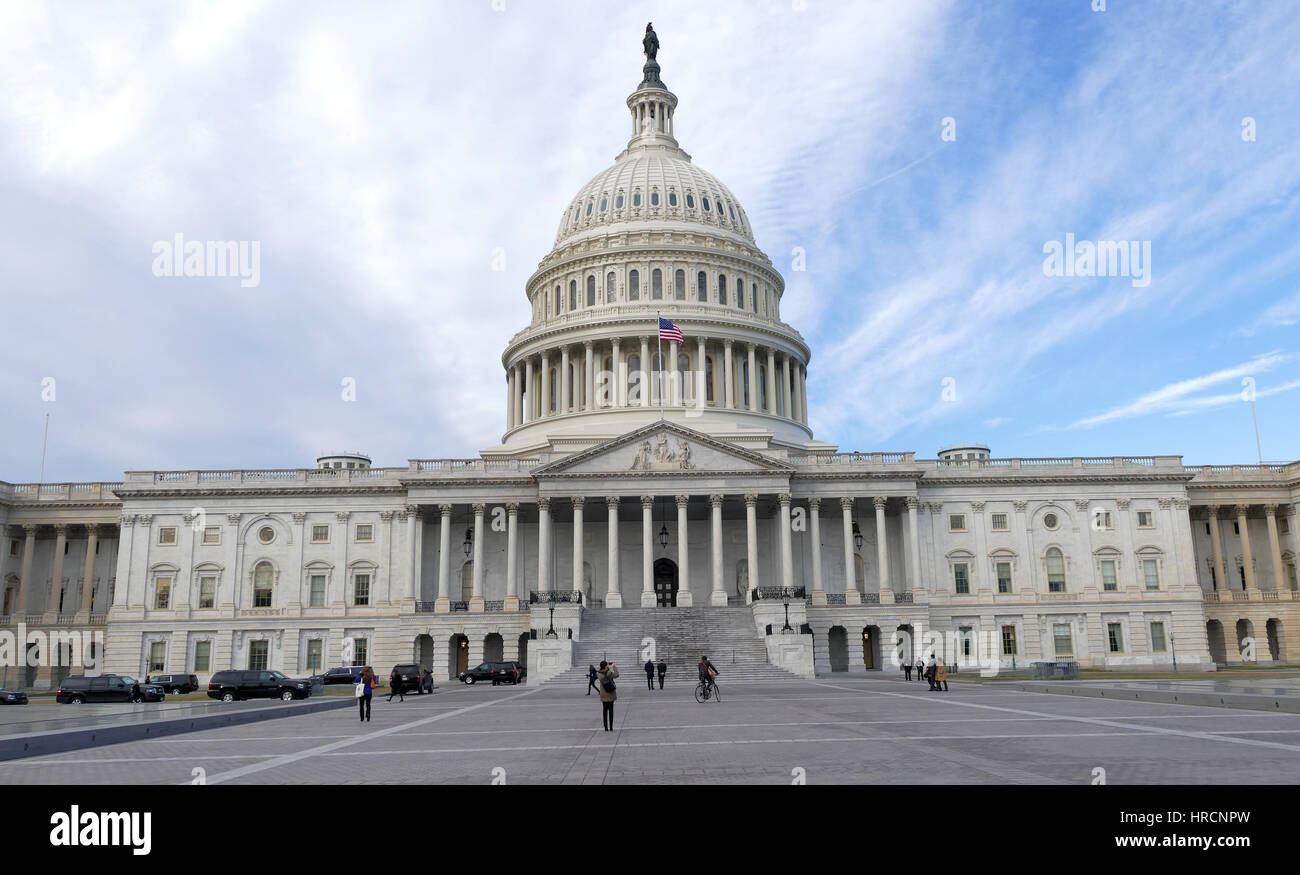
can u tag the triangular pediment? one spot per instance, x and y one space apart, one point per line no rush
662 448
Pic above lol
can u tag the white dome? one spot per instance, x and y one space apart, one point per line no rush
684 193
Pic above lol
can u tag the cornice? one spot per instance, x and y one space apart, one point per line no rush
261 491
932 480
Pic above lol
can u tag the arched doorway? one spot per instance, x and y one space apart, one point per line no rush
903 644
1218 646
871 647
523 650
838 644
665 583
422 653
1274 631
1246 630
457 656
493 648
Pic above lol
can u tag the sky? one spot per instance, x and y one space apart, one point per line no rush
402 168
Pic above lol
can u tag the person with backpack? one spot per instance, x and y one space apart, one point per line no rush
395 686
365 691
650 674
707 673
591 679
608 693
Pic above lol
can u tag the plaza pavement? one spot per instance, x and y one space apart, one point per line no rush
839 729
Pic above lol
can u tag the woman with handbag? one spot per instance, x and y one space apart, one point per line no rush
608 693
365 691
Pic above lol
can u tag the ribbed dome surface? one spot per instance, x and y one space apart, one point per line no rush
627 193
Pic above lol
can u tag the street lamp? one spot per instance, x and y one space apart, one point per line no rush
551 633
787 627
857 535
469 542
1173 649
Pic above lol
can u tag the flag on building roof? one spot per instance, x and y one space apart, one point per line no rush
669 331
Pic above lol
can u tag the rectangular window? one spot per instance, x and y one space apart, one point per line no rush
1290 575
961 577
320 534
258 652
1151 573
1144 519
964 631
1115 632
167 536
1157 637
212 534
1055 571
13 547
362 589
1008 640
956 522
1241 572
999 522
157 656
361 650
317 591
1004 577
1101 519
314 660
366 532
1063 641
203 656
208 591
1283 525
162 594
1108 582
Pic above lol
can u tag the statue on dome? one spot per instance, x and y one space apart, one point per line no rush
651 41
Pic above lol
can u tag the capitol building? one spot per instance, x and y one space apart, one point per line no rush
637 480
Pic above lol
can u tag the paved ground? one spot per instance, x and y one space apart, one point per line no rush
836 730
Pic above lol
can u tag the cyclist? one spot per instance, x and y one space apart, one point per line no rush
707 673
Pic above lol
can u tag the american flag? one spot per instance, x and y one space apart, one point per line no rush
669 331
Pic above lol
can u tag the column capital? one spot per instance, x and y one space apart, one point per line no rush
647 501
847 502
93 529
144 519
784 498
1182 503
1270 510
1021 505
715 500
301 517
232 519
644 338
1213 510
342 516
977 506
1241 509
727 344
1122 503
385 515
588 345
1165 503
613 500
127 519
411 508
61 528
912 502
512 508
880 501
480 508
1081 504
444 509
814 505
683 500
751 499
544 503
578 501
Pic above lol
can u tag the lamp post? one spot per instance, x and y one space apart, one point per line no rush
550 632
1174 650
787 627
857 535
469 542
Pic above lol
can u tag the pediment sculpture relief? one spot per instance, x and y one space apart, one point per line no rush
662 456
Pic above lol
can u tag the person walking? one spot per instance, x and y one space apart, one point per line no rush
365 691
941 677
650 674
907 670
395 686
663 670
591 679
608 693
929 672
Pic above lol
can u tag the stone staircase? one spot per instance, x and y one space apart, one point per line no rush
681 635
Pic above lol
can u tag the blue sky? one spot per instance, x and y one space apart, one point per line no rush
380 159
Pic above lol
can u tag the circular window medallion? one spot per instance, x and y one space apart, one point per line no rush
1051 521
266 534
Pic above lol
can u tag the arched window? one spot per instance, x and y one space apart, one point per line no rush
618 202
634 286
609 287
603 203
672 198
722 288
573 294
753 298
679 285
591 291
654 198
263 582
744 382
690 201
740 293
706 204
762 387
634 379
702 286
683 369
657 284
588 208
708 378
1055 570
559 298
636 199
573 384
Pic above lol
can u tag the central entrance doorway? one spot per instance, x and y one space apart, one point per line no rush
665 583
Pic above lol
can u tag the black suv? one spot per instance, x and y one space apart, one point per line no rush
175 683
230 686
414 679
343 675
496 672
78 688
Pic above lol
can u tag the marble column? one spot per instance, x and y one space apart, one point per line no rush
684 598
546 384
647 552
673 396
578 504
701 391
510 399
770 407
544 545
56 573
644 381
25 573
443 604
787 548
512 556
914 544
803 394
852 595
613 594
882 546
728 377
88 572
566 399
1247 556
718 596
476 591
1275 548
589 385
1216 547
787 393
618 391
751 543
753 378
815 537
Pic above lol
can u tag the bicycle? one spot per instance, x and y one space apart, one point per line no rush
704 692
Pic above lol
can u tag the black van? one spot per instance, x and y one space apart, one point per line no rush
175 683
78 688
230 686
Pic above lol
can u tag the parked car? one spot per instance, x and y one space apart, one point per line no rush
78 688
414 679
496 672
176 684
232 685
346 674
13 697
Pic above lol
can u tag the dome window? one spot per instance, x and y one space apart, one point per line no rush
654 198
690 201
679 285
591 291
603 203
618 202
702 284
722 288
729 209
588 208
672 198
636 199
706 205
609 287
634 286
657 284
573 294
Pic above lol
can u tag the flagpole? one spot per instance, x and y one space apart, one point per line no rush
660 334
